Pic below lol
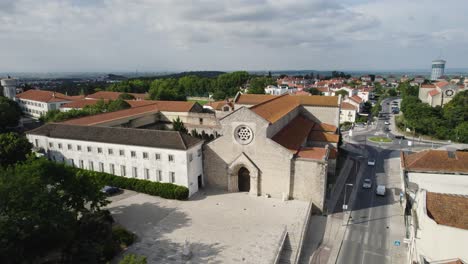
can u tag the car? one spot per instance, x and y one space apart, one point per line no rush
388 103
380 190
371 162
367 184
395 103
111 190
387 123
386 129
400 137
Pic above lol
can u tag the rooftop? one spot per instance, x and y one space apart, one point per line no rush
439 161
347 106
121 136
448 209
46 96
293 135
312 153
113 95
252 99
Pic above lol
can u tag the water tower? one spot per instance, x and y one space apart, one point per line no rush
438 67
9 87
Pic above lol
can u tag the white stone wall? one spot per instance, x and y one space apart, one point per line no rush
347 115
329 115
186 171
309 181
441 183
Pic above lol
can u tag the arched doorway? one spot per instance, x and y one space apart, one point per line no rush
243 178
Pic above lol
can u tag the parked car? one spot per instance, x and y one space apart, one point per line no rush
367 184
387 123
371 162
380 190
400 137
111 190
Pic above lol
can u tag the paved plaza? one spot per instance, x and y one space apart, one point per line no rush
219 227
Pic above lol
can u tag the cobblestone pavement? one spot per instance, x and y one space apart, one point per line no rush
218 227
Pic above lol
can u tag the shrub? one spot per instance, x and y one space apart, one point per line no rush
162 189
122 236
133 259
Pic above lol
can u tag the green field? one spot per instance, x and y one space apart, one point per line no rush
380 139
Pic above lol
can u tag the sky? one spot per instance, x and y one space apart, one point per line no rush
190 35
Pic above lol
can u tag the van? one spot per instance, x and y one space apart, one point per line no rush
380 190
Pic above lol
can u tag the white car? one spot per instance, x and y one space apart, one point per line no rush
380 190
387 123
371 162
367 184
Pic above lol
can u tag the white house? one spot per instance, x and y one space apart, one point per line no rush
37 102
348 113
276 90
439 230
155 155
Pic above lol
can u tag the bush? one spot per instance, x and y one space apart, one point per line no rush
122 236
162 189
133 259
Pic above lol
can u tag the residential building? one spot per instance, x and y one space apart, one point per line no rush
38 102
276 90
356 101
439 93
348 112
366 78
419 79
438 67
155 155
280 146
378 78
221 108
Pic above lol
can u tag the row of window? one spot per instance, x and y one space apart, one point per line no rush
32 103
110 151
147 175
33 111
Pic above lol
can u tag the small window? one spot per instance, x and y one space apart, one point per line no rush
190 156
158 156
111 169
90 165
146 174
89 149
133 154
78 147
159 175
226 108
69 146
122 152
201 121
99 150
51 145
110 151
123 170
134 172
81 164
145 155
171 158
101 167
172 176
36 142
199 152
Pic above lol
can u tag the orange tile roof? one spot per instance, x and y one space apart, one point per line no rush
428 86
218 105
348 106
294 134
175 106
441 84
107 117
323 137
356 99
85 102
436 161
324 127
253 99
317 100
312 153
45 96
113 95
434 92
448 209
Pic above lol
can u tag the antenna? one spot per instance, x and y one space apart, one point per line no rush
440 54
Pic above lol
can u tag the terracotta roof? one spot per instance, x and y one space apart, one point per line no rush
175 106
276 108
312 153
115 135
253 99
428 86
323 89
107 117
323 137
434 92
79 104
348 106
356 98
218 105
441 84
317 100
294 134
436 161
45 96
302 93
113 95
324 127
448 209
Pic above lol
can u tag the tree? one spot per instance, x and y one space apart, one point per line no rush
258 85
314 91
13 148
133 259
343 93
461 132
10 113
118 104
126 96
392 92
178 125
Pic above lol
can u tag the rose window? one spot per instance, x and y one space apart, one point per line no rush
243 134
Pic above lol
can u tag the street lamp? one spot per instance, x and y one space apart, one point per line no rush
345 206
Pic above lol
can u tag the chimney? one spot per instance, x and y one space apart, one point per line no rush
53 94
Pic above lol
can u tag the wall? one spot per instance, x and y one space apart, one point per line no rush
329 115
281 123
309 181
36 108
347 116
438 242
441 183
184 173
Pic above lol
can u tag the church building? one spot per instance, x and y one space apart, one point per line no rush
439 93
278 146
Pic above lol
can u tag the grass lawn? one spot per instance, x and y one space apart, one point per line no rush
380 139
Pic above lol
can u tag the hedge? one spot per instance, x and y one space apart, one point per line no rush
162 189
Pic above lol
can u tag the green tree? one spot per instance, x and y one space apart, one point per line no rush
343 93
10 113
178 125
13 148
461 132
118 104
258 85
133 259
392 92
126 96
314 91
